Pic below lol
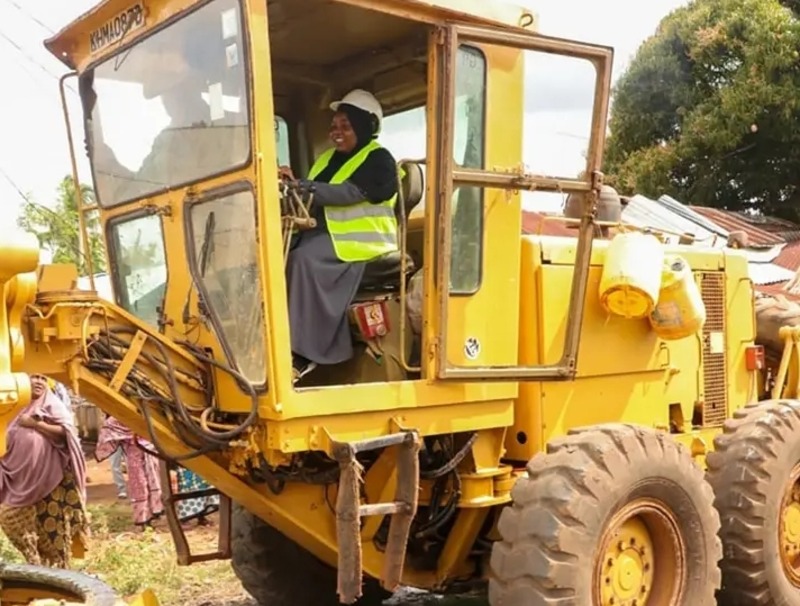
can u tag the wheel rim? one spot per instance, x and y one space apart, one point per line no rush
21 594
641 558
789 528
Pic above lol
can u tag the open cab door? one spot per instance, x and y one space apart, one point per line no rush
474 299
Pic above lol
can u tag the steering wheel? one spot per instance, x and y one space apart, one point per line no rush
296 204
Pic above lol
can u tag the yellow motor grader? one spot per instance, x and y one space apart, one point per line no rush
496 423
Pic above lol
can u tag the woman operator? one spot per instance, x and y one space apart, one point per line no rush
355 192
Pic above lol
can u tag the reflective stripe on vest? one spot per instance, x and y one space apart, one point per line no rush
360 231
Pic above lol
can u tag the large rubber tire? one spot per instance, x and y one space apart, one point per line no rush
37 582
750 471
278 572
557 534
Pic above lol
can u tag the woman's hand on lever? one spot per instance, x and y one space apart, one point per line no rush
284 172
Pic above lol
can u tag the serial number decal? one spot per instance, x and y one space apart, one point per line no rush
117 27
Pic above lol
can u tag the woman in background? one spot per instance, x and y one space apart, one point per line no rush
144 488
198 508
43 482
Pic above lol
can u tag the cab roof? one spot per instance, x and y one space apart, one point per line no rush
72 45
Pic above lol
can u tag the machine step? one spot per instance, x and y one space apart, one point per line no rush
349 511
171 499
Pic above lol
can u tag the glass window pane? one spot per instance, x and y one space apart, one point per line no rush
557 125
225 258
172 109
282 141
141 267
468 145
405 135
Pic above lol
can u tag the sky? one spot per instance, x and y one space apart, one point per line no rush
34 152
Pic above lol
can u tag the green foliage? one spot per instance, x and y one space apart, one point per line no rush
709 110
58 229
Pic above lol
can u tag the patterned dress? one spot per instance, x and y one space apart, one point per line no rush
189 509
144 487
42 506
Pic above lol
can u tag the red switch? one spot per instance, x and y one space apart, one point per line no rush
754 357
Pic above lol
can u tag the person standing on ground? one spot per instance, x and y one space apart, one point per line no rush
194 509
144 488
116 473
43 482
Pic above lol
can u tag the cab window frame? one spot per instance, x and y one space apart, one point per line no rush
209 195
90 70
480 228
114 254
481 206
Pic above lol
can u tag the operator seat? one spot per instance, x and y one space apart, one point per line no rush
386 268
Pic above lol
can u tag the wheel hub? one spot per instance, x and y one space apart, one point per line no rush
628 570
790 528
643 558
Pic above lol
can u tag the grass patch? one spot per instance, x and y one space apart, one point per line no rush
131 561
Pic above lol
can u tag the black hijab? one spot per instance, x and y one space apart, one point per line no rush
377 176
361 122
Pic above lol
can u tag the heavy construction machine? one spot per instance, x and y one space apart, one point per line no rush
514 432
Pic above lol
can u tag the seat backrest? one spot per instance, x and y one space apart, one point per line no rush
412 188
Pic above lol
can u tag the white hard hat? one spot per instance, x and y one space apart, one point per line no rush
362 100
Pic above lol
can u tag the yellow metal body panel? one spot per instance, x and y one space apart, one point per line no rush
625 372
475 316
518 314
73 44
280 401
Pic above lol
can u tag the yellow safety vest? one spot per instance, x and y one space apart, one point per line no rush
360 231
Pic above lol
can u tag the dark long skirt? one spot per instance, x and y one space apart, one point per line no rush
320 289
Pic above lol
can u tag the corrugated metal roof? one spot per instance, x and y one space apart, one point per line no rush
762 255
776 289
787 230
733 222
643 212
770 224
687 212
768 273
789 257
534 223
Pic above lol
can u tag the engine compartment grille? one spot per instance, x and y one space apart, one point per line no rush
714 358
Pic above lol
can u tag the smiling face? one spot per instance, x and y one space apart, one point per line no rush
38 386
342 134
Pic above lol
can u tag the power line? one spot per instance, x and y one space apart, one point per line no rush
30 16
14 185
64 223
33 60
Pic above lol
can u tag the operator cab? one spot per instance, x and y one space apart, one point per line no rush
388 58
181 112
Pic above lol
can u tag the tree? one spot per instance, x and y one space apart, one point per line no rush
58 229
709 110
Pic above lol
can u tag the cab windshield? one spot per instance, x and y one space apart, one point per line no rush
170 110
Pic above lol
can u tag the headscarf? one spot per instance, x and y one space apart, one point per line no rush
362 122
34 464
365 130
114 434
